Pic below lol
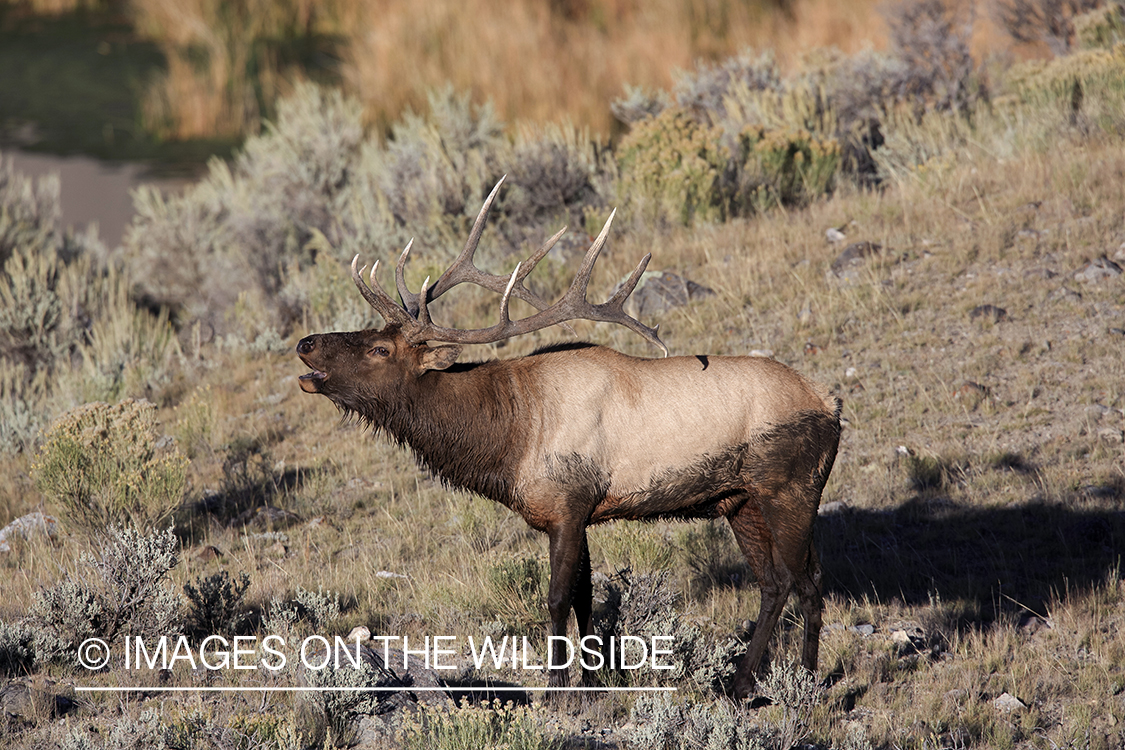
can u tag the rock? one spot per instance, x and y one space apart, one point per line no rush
830 508
1111 435
767 353
277 549
1094 412
360 633
1065 295
853 257
389 574
659 291
30 698
988 312
863 630
1008 703
28 526
1099 269
834 235
1032 624
208 553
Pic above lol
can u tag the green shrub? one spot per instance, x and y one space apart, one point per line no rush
321 608
330 718
215 605
645 605
659 722
517 592
670 169
17 648
784 167
793 692
121 591
472 727
107 465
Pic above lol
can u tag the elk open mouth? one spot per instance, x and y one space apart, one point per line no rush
310 381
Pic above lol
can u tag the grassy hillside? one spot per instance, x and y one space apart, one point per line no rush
970 533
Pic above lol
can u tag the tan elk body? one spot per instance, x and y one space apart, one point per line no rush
576 435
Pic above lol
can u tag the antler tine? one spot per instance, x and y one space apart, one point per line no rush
423 314
453 274
377 298
409 298
463 269
504 319
581 281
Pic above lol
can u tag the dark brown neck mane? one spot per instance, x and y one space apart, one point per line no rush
464 425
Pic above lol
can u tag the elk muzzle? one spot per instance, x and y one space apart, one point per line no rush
310 381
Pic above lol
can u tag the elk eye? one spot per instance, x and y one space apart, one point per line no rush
380 351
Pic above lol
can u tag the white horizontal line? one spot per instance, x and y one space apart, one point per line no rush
277 689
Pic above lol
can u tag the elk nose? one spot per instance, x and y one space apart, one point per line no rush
306 345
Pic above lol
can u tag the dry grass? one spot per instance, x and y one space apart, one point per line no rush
984 553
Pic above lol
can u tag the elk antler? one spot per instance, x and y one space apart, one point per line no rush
414 316
464 270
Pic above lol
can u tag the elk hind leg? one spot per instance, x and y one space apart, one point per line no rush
812 607
775 582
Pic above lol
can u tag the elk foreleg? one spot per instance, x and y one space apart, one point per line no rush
570 587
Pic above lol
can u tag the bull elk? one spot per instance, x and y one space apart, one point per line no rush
576 435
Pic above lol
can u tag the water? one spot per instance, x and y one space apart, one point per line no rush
95 191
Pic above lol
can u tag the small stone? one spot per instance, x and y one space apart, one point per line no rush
833 507
1098 270
1095 412
1065 294
865 629
767 353
1008 703
834 235
988 312
359 632
854 256
208 553
25 527
1111 435
388 574
900 637
277 549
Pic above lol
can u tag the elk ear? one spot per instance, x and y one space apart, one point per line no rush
440 357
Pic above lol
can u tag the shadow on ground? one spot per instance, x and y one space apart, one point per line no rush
999 559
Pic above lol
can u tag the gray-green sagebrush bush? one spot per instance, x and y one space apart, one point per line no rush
120 590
